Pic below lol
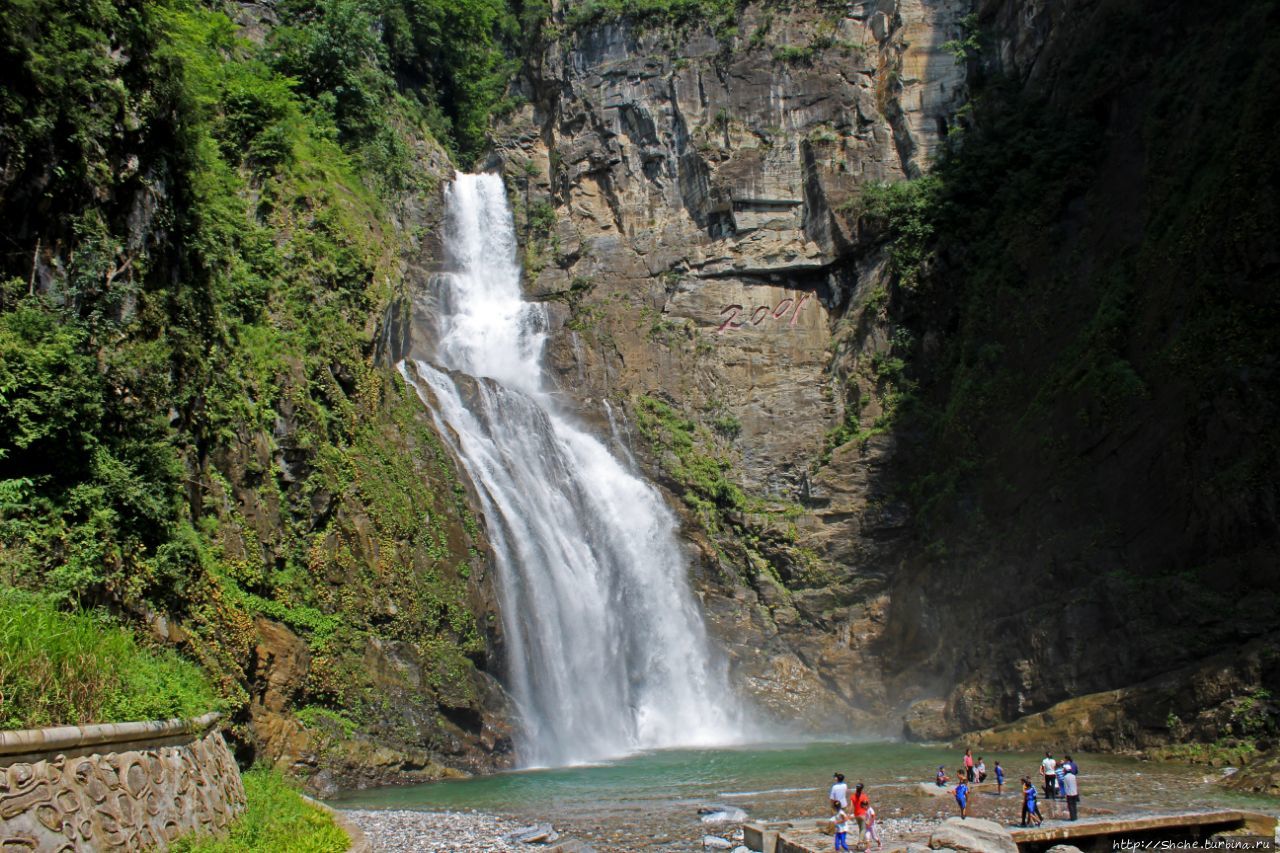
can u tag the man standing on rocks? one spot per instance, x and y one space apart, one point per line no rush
1071 789
839 792
1049 767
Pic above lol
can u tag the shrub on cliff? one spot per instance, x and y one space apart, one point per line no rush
78 668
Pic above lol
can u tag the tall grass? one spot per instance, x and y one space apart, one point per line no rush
59 668
277 819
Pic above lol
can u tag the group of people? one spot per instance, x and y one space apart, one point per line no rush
1061 781
850 808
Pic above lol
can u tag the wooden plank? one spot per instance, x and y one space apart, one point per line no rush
1263 824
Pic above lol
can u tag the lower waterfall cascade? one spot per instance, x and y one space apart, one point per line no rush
606 651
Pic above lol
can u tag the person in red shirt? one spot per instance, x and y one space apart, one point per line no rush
859 802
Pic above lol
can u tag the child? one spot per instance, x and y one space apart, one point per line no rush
841 820
982 769
941 779
1030 810
872 832
962 797
999 779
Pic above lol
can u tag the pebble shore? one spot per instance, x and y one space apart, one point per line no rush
436 832
475 832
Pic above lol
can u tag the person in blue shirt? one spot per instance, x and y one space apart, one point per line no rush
999 779
962 796
1030 809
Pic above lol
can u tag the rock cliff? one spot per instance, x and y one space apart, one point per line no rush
709 279
700 203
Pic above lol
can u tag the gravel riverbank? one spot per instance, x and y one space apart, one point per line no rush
436 832
475 832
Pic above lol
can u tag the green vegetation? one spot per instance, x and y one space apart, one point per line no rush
276 818
793 54
967 46
77 668
686 449
191 421
718 13
445 63
1064 324
1224 753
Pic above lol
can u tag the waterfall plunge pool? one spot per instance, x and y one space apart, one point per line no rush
650 801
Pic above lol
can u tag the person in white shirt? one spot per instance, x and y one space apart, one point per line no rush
840 792
841 820
1049 767
1071 790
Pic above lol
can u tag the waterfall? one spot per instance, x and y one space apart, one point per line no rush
607 653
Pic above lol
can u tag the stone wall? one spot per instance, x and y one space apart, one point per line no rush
131 786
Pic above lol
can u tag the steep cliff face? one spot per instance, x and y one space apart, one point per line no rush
683 194
940 445
1106 389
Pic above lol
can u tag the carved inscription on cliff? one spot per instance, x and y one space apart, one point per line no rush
784 312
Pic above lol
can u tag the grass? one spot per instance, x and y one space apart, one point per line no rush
277 819
61 668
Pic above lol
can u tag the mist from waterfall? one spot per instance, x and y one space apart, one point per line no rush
606 651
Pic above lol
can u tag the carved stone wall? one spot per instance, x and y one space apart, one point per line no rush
141 797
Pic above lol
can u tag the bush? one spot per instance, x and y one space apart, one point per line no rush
61 668
277 818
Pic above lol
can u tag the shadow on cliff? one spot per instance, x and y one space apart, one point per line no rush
1084 315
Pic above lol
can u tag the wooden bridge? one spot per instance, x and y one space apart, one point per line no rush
1100 834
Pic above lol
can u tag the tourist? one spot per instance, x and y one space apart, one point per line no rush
839 792
982 769
942 778
962 797
860 802
999 779
841 820
1030 809
1071 789
968 765
1059 774
1071 766
872 832
1048 767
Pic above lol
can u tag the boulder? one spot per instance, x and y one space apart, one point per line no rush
931 789
541 833
1064 848
974 835
1259 776
570 845
723 814
715 842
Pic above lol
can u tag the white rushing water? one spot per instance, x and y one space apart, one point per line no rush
607 652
